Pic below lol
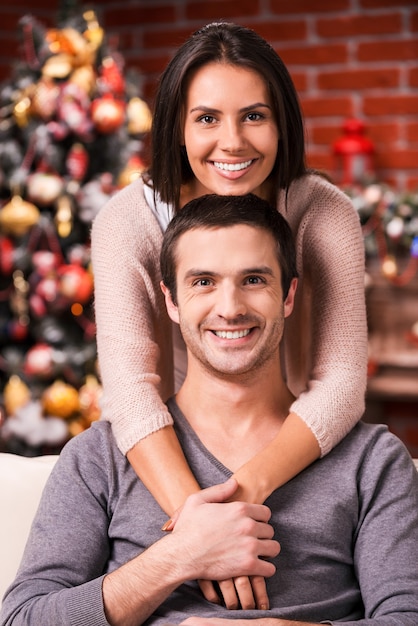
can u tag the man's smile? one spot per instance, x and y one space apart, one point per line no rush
232 334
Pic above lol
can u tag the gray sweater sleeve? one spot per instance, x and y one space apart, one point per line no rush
386 537
50 587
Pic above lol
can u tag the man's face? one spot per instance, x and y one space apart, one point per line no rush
229 298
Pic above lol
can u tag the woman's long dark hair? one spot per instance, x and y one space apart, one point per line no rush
234 45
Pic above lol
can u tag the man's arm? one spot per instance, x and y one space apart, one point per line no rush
212 539
262 621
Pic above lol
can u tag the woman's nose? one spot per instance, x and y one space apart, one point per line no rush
232 138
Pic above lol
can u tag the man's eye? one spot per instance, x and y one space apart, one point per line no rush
254 280
202 282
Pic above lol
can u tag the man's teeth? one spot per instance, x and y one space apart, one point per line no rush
231 334
232 167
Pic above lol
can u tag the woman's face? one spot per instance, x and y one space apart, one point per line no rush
230 132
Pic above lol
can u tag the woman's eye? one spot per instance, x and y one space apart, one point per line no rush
206 119
255 117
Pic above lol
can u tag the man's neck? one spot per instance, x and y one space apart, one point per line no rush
235 417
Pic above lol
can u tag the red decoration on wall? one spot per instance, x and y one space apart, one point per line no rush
354 152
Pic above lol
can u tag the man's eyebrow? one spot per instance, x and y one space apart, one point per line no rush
196 272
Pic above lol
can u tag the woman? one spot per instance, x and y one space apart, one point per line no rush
227 121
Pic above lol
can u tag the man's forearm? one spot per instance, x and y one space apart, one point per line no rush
134 591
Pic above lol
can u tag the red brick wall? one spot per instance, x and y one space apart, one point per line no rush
347 58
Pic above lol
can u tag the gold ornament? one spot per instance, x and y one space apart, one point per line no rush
58 66
64 217
132 171
89 398
61 400
15 395
18 216
139 116
21 111
94 32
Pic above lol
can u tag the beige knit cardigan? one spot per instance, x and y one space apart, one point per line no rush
325 342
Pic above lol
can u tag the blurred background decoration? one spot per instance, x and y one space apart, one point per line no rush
72 127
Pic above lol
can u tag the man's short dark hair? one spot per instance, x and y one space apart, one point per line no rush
212 211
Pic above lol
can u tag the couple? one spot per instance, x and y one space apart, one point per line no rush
337 544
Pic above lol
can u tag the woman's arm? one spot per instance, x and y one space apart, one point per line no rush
325 343
134 339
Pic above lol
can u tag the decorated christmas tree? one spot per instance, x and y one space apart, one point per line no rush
72 125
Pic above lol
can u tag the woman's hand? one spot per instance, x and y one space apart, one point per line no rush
245 592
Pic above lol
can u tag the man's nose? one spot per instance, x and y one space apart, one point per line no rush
230 302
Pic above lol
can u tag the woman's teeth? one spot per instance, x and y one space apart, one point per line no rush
232 167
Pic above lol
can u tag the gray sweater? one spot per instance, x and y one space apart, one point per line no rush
347 525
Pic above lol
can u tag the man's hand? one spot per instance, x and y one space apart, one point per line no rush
212 539
224 540
240 592
262 621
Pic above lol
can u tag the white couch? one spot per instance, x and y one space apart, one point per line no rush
22 480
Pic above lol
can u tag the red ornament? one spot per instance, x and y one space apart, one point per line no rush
355 153
107 113
6 256
77 162
111 78
75 283
39 361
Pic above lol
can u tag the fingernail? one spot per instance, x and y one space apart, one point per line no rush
168 525
263 607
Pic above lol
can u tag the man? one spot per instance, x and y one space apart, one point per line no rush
347 526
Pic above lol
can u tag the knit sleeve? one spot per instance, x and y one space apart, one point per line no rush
133 329
332 305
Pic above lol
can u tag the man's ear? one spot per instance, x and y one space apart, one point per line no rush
290 298
172 309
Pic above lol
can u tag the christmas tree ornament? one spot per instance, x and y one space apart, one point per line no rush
15 395
93 32
29 425
77 162
110 79
132 171
75 283
60 399
64 216
107 113
89 399
139 116
93 196
6 256
21 111
73 111
39 361
18 216
44 188
44 99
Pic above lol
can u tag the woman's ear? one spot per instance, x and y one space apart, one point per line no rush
290 298
172 309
